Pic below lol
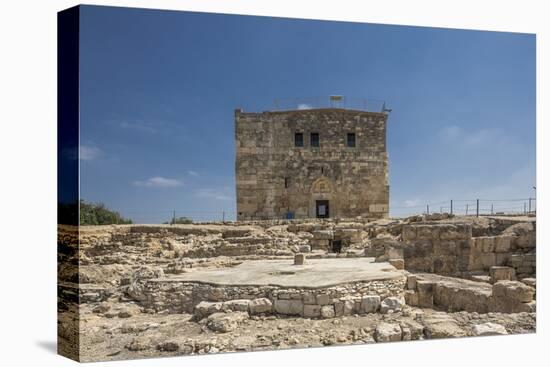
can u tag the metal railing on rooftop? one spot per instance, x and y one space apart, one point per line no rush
333 101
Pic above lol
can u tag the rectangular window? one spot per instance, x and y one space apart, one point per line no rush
314 140
351 140
298 139
287 182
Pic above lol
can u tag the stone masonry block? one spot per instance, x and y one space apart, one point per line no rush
408 233
501 258
399 264
425 293
370 303
488 244
327 311
323 235
309 298
503 243
427 232
339 308
260 305
299 259
502 273
312 311
411 298
513 290
349 307
411 281
289 307
488 260
322 299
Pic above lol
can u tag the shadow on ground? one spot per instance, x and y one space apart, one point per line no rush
48 345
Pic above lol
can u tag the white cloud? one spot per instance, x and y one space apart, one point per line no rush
193 173
303 106
158 181
88 152
458 135
139 126
412 202
451 131
213 193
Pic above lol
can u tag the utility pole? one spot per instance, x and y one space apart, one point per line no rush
451 206
466 209
223 216
428 209
174 217
477 207
491 209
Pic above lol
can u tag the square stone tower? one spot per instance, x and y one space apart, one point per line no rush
314 163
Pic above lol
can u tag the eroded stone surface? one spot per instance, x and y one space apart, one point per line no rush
134 305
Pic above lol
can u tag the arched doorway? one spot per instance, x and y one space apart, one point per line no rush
321 195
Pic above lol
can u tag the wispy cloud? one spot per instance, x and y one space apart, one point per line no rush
158 181
411 202
139 125
193 173
89 152
473 137
215 193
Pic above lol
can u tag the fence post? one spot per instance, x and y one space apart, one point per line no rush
524 208
529 205
173 217
223 216
477 207
491 209
466 209
451 206
428 209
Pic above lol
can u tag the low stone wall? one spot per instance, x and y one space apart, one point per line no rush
506 250
164 295
437 248
447 249
452 294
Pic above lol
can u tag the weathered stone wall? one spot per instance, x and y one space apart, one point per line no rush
451 250
68 297
437 248
353 179
160 295
507 250
454 294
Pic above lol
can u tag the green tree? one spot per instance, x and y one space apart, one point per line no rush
99 214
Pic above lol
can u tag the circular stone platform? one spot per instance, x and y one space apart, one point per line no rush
315 273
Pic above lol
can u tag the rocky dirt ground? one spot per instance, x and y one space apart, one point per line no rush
114 326
131 334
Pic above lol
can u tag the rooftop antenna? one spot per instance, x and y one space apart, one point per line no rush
336 101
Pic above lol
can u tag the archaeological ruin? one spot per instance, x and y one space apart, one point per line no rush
311 163
133 291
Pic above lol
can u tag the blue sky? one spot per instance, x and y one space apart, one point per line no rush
159 89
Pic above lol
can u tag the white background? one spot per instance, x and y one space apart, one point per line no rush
28 180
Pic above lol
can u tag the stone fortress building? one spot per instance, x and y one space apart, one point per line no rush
327 162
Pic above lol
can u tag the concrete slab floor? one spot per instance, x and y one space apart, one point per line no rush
315 273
